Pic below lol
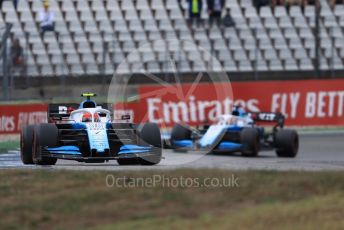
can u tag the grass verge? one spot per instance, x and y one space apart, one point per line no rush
43 199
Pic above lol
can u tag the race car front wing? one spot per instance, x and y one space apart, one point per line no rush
74 153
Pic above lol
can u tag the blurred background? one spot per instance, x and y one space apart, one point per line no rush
279 55
49 47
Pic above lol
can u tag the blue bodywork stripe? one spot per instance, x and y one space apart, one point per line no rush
135 147
128 149
133 151
183 143
66 152
125 149
65 148
234 128
229 145
78 126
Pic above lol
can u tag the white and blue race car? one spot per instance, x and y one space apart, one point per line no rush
87 134
238 133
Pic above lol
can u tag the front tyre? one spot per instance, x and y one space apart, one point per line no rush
180 132
26 138
287 143
44 135
250 141
150 135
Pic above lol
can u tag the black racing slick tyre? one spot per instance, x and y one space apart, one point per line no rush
44 135
150 135
180 132
26 137
250 141
287 143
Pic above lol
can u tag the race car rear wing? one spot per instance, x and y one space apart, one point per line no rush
60 112
278 118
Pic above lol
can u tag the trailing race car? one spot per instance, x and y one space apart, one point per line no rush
87 134
238 133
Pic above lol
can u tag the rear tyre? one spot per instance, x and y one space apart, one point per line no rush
287 143
44 135
150 135
26 137
180 132
250 141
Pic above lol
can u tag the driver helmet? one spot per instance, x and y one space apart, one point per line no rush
239 110
87 117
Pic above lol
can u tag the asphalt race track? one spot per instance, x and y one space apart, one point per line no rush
317 152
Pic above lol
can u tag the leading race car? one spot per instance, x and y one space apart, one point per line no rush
238 132
87 134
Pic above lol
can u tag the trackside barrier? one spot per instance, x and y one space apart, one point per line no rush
305 103
13 117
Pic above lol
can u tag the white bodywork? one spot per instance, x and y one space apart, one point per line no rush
226 120
216 131
96 129
76 115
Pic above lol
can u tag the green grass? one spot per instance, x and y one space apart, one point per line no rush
321 212
310 213
8 145
42 199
